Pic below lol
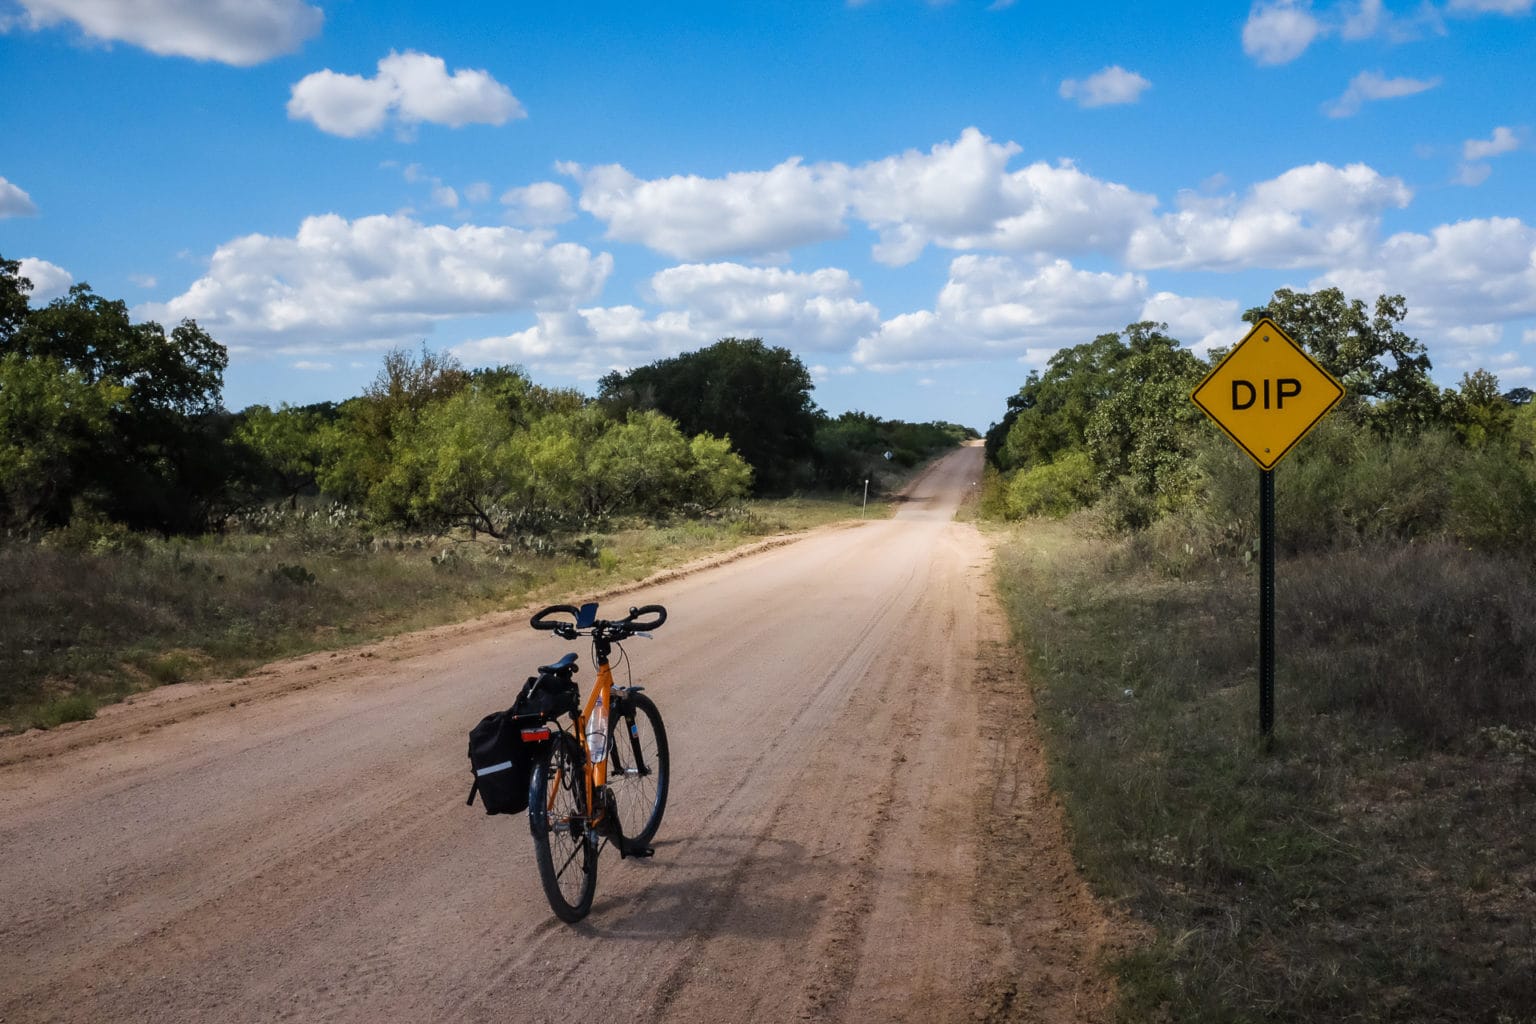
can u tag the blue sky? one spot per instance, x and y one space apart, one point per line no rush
923 200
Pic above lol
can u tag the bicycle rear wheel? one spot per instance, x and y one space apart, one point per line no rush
562 847
639 769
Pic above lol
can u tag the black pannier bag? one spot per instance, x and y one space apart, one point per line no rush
502 758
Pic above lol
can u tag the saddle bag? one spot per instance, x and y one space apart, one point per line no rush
506 746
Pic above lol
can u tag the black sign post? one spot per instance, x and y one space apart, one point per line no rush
1266 603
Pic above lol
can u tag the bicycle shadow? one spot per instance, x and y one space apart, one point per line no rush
752 886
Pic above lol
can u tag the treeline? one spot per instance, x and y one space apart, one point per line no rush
1109 424
103 419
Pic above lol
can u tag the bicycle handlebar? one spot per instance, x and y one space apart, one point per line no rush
540 621
629 625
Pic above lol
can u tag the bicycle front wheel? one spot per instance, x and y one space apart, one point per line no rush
638 766
563 846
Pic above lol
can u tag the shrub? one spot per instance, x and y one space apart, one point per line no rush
1054 489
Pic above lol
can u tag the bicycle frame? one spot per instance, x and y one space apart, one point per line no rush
602 686
595 775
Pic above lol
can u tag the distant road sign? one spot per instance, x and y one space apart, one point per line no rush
1267 393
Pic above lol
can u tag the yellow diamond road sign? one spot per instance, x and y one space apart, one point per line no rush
1267 393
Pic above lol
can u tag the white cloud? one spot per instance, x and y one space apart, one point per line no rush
1503 141
377 281
1472 175
957 195
542 204
1369 86
14 202
1202 324
416 87
239 32
751 213
1112 85
1529 337
1458 276
819 310
478 192
961 196
1364 21
995 306
1279 32
443 195
1315 215
49 280
313 366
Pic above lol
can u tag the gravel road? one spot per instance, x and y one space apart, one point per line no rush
859 827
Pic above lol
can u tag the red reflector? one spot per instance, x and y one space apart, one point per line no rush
532 735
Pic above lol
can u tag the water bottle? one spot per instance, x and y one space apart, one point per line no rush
597 731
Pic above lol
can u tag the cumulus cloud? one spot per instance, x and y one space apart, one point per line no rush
1278 32
961 196
378 281
49 280
1369 86
14 202
238 32
1460 275
700 303
957 195
414 87
760 213
1112 85
542 204
1315 215
821 310
1201 323
994 306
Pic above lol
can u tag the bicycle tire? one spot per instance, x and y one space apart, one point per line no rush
639 765
563 847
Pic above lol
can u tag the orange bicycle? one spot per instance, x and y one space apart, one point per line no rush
604 778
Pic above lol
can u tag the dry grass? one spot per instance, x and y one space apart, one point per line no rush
1379 862
101 614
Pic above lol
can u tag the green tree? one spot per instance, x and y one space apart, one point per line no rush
1143 429
1384 371
287 443
1049 415
51 421
14 292
159 464
757 395
1477 411
361 449
716 475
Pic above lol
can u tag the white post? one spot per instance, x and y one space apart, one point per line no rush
863 508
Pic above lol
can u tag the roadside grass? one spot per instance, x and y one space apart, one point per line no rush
1378 863
99 614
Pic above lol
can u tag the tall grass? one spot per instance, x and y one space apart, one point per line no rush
1378 863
